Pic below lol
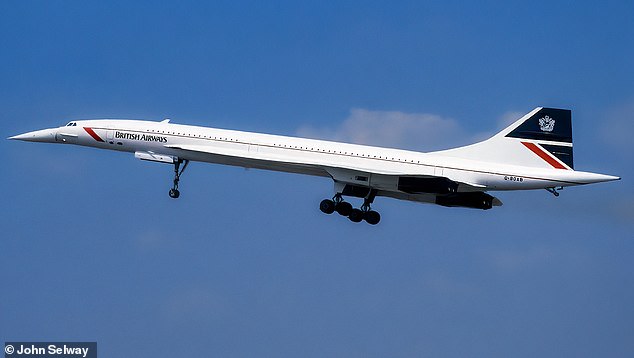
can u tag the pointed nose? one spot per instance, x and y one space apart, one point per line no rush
44 135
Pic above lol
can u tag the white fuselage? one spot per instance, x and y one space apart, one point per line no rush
341 161
535 152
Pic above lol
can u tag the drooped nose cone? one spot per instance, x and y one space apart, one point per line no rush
44 135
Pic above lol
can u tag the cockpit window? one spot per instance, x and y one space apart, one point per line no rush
71 124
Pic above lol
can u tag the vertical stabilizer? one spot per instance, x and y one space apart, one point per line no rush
541 138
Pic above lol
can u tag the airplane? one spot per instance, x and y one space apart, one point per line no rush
535 152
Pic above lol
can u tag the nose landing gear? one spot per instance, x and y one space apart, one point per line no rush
174 193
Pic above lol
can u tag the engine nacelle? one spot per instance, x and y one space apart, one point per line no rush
417 185
475 200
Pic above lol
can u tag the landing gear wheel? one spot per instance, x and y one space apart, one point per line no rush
356 215
327 206
174 193
365 212
372 217
343 208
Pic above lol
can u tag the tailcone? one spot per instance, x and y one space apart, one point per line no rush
590 178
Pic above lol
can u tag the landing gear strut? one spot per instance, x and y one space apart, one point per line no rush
370 216
554 191
174 193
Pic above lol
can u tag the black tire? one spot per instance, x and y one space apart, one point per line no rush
343 208
356 215
174 193
327 206
372 217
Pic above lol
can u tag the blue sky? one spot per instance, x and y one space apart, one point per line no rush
244 264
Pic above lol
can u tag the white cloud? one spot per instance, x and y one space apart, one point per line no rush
509 118
396 129
417 131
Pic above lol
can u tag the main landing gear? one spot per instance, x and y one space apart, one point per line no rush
174 193
344 208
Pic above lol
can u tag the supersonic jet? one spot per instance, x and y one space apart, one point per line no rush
535 152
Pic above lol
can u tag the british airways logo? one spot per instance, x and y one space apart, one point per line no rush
546 124
138 136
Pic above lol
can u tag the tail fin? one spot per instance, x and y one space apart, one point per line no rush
542 138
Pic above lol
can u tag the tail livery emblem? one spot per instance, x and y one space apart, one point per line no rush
540 126
546 124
